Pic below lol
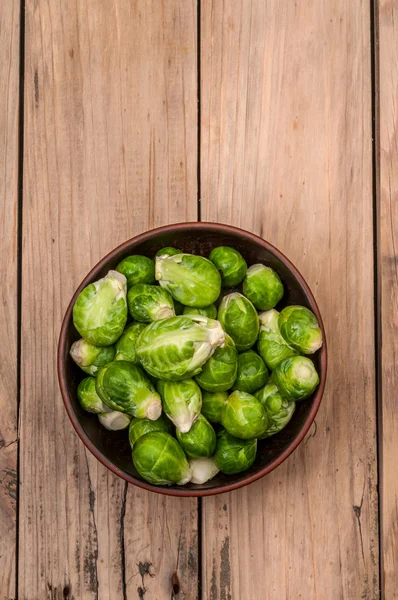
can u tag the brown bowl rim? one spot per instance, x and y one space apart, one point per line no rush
63 353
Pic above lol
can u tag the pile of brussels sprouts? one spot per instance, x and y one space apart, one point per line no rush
194 371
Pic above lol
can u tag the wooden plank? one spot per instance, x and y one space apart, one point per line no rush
388 265
110 151
286 153
9 105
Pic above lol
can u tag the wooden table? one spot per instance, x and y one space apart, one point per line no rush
278 116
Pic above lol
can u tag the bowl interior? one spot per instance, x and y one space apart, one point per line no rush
113 448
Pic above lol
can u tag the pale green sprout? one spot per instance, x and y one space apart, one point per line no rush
252 372
263 286
125 387
300 328
149 303
159 459
192 280
239 319
114 420
272 347
137 269
296 378
203 469
279 410
243 416
219 372
234 455
182 401
100 311
88 397
230 263
91 358
200 440
176 348
167 251
212 404
139 427
209 311
126 344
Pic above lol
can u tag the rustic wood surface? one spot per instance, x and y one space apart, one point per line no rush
9 84
287 153
112 147
388 260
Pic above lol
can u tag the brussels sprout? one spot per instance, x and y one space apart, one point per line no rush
230 263
139 427
124 386
88 397
91 358
125 346
137 269
234 455
263 286
239 319
272 347
244 416
149 303
252 372
176 348
203 469
168 251
279 410
114 420
100 311
192 280
159 459
178 307
212 403
296 377
300 328
209 311
200 440
219 372
182 401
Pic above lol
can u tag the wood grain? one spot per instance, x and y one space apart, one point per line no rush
9 106
388 270
286 153
110 151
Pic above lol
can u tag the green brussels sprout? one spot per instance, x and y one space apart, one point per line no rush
159 459
244 416
239 319
168 251
230 263
192 280
279 410
234 455
100 311
219 372
296 378
114 420
212 403
182 401
209 311
137 269
203 469
125 346
91 358
263 286
272 347
176 348
200 440
252 372
88 397
178 307
125 387
139 427
300 328
149 303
